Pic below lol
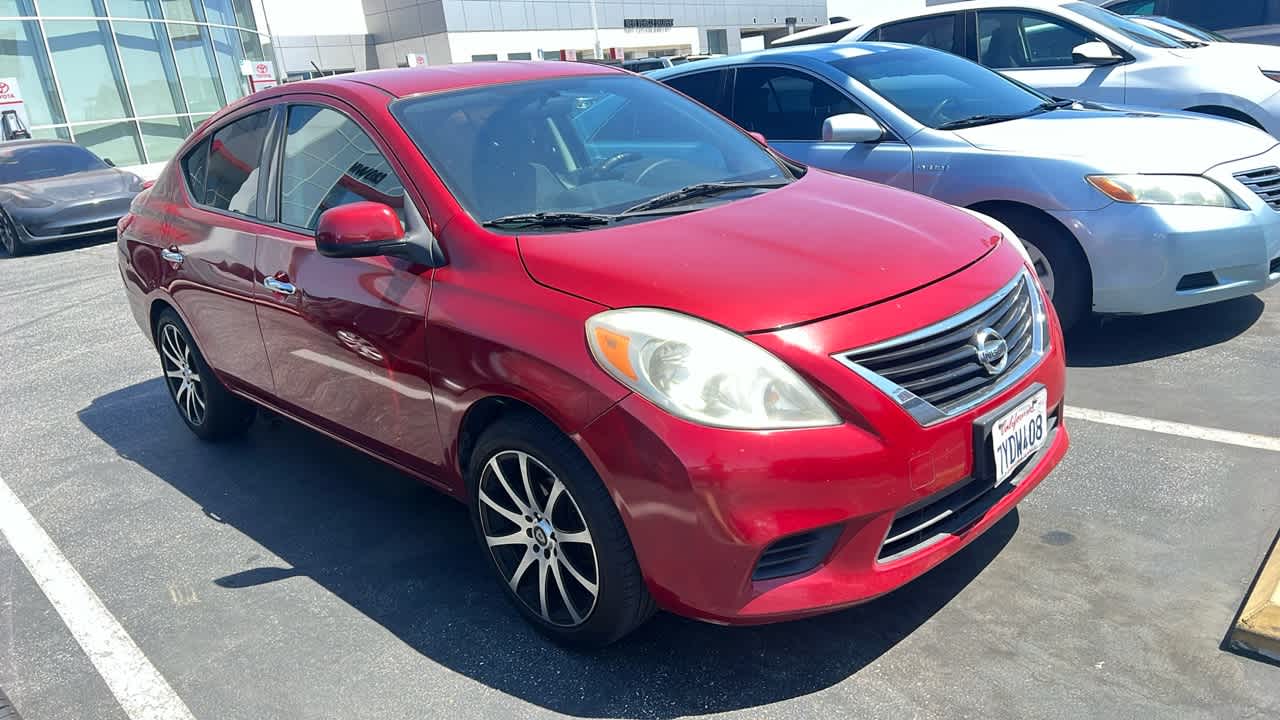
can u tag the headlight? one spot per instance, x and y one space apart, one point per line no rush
1163 190
702 372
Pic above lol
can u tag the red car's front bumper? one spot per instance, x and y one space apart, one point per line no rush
703 504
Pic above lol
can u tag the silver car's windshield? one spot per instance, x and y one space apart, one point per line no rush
938 89
1134 31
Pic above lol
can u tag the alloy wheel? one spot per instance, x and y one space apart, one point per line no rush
8 235
182 375
538 538
1044 271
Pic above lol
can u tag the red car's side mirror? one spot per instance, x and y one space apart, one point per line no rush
362 229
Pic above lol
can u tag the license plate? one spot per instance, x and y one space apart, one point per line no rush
1019 434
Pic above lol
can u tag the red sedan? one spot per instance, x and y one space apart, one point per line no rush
663 366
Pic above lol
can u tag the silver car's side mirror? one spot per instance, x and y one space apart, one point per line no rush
851 128
1094 53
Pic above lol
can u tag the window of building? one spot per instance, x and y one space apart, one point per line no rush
88 69
228 54
161 137
937 32
197 66
1018 39
190 10
718 42
706 87
222 172
148 62
22 56
147 9
329 162
520 56
114 141
484 57
784 104
71 8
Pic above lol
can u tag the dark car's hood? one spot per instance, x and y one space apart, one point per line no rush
820 246
72 188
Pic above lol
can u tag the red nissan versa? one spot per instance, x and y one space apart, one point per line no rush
663 366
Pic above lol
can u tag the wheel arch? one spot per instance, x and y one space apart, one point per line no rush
483 414
158 306
1229 113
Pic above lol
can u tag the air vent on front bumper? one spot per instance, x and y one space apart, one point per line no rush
796 554
956 508
937 372
1265 183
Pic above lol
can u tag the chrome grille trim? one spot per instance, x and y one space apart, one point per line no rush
1264 182
1009 306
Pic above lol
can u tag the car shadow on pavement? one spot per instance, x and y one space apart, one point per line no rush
1125 340
404 555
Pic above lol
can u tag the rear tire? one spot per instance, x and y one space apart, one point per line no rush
1060 263
9 237
552 527
208 408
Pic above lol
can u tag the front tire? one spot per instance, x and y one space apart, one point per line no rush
9 237
553 535
208 408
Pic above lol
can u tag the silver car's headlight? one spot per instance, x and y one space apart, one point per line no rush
702 372
1163 190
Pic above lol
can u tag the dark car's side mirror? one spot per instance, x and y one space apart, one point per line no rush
362 229
1094 53
108 162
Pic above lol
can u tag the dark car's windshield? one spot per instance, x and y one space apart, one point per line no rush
937 88
1133 30
576 145
37 162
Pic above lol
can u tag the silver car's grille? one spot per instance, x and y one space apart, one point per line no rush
1265 183
950 367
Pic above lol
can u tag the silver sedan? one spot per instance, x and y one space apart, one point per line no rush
1122 211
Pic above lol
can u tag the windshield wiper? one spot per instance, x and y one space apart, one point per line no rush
698 190
974 120
1057 104
549 220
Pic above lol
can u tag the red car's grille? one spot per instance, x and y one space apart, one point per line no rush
943 366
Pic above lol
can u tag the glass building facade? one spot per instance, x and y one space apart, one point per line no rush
128 79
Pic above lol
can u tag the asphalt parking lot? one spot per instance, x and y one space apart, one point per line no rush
287 576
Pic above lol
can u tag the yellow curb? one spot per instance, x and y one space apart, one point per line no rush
1258 628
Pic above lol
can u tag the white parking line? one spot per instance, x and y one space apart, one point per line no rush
1196 432
139 688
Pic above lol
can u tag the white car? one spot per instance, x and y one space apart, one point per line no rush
1078 50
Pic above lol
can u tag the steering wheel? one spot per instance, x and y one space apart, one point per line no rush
623 157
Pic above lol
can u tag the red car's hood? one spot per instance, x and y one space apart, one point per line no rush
817 247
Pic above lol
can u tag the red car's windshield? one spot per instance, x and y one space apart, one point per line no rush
597 144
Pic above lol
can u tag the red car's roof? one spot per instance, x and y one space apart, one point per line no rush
410 81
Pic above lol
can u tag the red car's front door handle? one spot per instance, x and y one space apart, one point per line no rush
172 255
277 285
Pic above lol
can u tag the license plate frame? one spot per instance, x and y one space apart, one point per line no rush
984 461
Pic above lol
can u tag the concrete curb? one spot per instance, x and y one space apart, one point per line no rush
1257 630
